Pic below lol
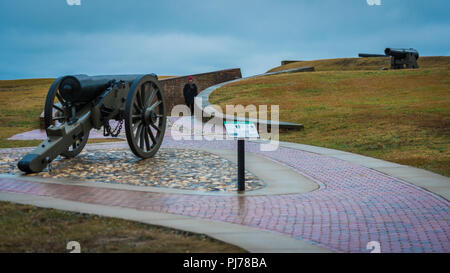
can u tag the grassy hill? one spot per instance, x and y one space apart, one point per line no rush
401 116
346 64
21 103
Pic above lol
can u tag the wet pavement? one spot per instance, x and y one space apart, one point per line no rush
353 206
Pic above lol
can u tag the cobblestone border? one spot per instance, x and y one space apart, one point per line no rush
356 204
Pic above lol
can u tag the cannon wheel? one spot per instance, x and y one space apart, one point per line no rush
55 112
145 116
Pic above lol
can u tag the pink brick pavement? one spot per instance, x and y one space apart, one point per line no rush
353 206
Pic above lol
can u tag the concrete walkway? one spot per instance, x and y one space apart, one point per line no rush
318 200
202 103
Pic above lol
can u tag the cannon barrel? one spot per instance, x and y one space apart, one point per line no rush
84 88
401 52
370 55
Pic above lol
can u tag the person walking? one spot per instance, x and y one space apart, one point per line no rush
189 93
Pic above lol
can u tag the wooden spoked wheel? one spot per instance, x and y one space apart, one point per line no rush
145 116
56 112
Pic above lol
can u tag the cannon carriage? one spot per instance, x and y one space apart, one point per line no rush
76 104
403 57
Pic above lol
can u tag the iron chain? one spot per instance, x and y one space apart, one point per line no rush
114 133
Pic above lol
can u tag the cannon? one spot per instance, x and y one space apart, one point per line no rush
402 57
76 104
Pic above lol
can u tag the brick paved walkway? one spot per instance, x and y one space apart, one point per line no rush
353 206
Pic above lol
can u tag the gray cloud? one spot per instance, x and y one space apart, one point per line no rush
104 53
48 38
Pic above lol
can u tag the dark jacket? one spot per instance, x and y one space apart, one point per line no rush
189 92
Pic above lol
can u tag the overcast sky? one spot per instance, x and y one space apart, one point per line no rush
49 38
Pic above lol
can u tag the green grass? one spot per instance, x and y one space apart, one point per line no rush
25 228
351 64
401 116
21 103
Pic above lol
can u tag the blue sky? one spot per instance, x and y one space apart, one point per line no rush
49 38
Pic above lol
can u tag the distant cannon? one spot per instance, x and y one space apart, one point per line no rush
402 57
76 104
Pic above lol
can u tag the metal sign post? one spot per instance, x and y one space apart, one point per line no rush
241 130
241 165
